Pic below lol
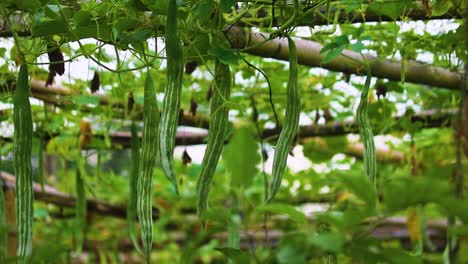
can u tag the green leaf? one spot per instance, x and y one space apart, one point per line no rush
85 100
46 26
440 7
137 5
357 47
333 54
124 24
319 149
82 18
226 5
328 48
236 255
359 31
455 207
227 56
141 34
103 32
24 5
241 157
290 254
342 40
361 186
400 193
40 213
351 5
290 211
328 241
217 214
204 10
391 9
396 255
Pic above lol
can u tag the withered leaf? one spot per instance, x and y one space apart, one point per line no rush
186 159
193 107
190 67
95 83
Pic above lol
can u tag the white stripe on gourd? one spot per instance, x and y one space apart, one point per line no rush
149 147
217 130
291 124
172 94
22 120
365 131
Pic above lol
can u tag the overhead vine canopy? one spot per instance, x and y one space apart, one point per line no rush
211 126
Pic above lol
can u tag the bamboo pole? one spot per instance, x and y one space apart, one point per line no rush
308 53
53 196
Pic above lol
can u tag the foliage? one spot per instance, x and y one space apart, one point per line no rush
126 42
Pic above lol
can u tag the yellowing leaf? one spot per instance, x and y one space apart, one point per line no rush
413 224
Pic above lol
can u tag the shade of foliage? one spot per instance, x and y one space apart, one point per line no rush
122 40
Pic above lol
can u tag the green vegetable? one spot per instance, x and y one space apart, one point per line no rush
40 169
22 120
218 126
291 124
80 209
173 90
132 201
365 130
149 148
3 235
3 232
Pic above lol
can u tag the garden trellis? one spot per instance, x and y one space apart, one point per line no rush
249 89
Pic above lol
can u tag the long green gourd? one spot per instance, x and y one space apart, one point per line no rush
219 109
3 235
80 208
149 149
22 120
365 130
40 167
173 90
291 124
132 201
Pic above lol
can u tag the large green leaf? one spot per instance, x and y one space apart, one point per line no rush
320 149
236 255
241 157
400 193
291 254
361 186
285 209
328 241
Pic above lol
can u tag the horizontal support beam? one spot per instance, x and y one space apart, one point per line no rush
308 53
387 230
312 17
53 196
427 119
320 17
60 96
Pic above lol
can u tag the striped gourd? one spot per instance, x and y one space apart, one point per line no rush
40 167
173 90
22 120
80 208
219 109
149 147
132 201
365 130
3 235
291 124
